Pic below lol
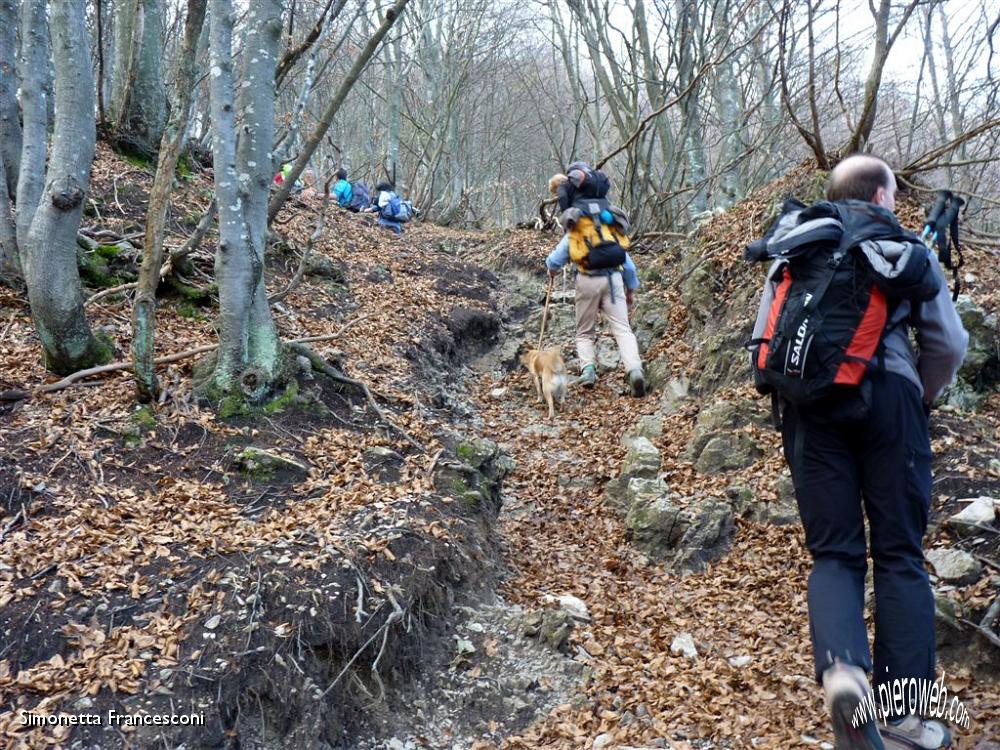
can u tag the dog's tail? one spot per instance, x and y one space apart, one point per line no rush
559 386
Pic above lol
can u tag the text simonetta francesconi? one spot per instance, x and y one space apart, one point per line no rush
110 718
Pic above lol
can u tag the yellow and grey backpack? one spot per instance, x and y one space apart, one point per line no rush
598 234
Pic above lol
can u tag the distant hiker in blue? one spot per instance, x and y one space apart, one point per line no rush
392 210
342 189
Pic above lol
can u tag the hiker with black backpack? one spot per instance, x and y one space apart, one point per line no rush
831 344
596 242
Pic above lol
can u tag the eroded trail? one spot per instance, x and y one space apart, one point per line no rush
750 684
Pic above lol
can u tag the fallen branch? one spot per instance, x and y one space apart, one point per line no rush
195 239
165 360
320 365
108 292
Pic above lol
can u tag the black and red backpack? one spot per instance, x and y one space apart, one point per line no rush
841 270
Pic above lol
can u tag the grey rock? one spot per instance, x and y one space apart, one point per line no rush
948 629
727 452
642 461
655 524
608 357
740 661
324 267
683 645
648 426
262 464
984 338
675 392
980 512
710 529
955 566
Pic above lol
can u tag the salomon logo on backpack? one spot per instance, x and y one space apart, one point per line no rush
840 270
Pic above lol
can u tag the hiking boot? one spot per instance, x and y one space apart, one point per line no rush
588 378
913 733
637 383
846 687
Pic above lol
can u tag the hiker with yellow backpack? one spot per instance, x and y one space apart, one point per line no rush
596 242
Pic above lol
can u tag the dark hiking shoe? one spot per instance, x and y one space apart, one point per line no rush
913 733
588 378
637 383
846 688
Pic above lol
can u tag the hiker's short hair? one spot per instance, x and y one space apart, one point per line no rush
555 181
341 174
858 177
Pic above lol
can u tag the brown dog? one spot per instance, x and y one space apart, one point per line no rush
549 373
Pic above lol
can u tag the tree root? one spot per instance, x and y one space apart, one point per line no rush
17 395
320 365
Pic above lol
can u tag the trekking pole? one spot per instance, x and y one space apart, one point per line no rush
545 312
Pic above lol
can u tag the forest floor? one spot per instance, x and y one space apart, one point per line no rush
148 563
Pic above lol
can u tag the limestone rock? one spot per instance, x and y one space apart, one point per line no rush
955 566
476 475
654 522
264 465
571 605
642 461
683 645
980 512
984 337
710 528
727 452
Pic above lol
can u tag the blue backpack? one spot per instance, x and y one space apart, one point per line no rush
397 209
360 197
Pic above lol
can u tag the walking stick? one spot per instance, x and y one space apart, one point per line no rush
545 312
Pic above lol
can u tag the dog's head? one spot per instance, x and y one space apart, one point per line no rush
528 357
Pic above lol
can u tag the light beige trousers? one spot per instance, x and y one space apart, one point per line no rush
593 293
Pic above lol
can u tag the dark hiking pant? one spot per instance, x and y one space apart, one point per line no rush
878 466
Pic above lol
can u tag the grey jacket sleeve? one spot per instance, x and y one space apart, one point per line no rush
766 298
941 340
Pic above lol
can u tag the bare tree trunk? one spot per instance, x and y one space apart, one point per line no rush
312 143
50 246
10 139
883 44
139 99
10 124
126 50
248 357
34 69
144 309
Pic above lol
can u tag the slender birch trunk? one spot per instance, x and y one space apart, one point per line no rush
144 309
49 245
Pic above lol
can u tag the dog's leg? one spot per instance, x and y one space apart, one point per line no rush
548 400
538 387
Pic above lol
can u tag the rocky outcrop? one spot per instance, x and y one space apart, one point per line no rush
641 462
476 474
955 566
719 444
685 533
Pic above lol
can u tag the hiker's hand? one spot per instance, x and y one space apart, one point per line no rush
552 274
630 298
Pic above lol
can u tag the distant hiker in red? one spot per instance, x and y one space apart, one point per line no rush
832 346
